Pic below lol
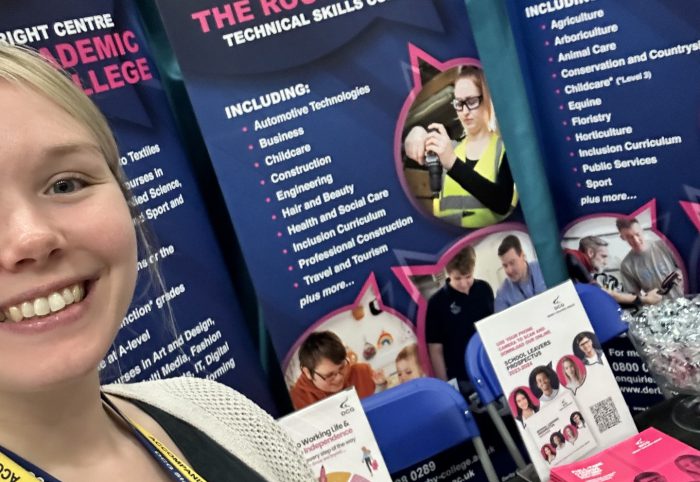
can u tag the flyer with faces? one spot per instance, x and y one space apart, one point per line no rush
556 378
560 439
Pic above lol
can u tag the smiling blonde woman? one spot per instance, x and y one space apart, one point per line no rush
68 252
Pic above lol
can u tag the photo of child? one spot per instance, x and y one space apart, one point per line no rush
407 364
357 345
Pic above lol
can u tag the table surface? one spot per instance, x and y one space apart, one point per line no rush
664 417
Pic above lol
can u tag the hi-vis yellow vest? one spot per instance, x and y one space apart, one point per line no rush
456 205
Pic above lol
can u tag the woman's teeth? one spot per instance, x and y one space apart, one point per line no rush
43 305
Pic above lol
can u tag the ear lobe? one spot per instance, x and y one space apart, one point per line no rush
306 372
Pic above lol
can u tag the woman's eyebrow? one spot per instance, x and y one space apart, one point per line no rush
70 148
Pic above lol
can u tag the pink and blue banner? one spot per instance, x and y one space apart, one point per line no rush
306 107
613 88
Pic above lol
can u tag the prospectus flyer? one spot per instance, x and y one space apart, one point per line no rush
559 384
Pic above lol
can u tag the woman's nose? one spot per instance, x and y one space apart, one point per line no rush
29 238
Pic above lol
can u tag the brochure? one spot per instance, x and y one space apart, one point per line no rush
558 382
651 456
337 441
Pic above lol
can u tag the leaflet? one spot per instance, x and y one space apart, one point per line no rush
335 437
558 382
651 456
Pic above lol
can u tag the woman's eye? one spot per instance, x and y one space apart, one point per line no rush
67 186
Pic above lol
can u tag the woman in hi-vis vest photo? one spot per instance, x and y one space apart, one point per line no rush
68 269
477 187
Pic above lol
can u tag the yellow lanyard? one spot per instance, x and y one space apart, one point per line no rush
13 472
177 465
177 468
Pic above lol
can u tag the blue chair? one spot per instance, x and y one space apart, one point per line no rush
604 314
602 310
419 419
488 389
481 381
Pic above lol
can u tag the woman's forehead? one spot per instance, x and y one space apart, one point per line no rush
36 133
465 86
24 109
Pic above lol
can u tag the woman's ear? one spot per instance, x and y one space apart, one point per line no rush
306 372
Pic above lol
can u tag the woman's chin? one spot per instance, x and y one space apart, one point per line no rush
47 381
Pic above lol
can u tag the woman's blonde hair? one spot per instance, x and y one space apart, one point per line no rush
577 372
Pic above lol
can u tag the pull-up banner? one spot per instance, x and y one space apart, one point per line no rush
613 85
103 46
320 118
306 107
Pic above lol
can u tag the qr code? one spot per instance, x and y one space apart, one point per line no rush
605 414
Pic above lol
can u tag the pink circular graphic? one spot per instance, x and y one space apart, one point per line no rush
544 453
570 432
580 368
524 395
